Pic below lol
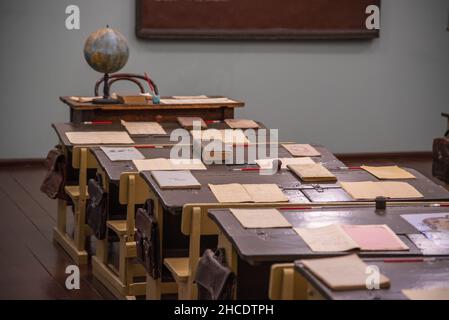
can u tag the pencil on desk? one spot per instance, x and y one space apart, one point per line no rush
149 147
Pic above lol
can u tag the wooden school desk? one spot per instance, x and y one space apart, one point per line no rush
255 250
80 112
403 275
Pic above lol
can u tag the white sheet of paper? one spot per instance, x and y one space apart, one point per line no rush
198 101
163 164
260 218
122 154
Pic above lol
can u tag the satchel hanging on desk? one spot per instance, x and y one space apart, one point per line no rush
54 181
214 279
440 165
147 240
97 207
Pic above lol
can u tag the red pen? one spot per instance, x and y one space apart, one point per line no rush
247 169
212 121
97 122
149 147
405 260
297 208
349 168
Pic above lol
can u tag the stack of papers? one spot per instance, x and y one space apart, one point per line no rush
236 193
337 238
242 124
312 172
168 164
175 180
342 273
301 150
388 172
188 122
260 218
369 190
143 128
99 137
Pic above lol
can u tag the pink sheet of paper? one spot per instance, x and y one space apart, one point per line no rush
375 237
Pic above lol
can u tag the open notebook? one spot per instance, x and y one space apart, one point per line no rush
337 238
388 172
236 193
370 190
342 273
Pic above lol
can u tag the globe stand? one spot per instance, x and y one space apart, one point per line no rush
107 99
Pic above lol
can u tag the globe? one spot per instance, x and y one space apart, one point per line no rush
106 50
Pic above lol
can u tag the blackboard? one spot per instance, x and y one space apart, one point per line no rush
254 19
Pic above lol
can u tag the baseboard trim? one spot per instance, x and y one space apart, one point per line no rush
388 155
31 162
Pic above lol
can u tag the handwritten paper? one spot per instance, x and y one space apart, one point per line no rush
122 154
331 238
370 190
388 172
301 150
143 128
260 218
99 137
342 273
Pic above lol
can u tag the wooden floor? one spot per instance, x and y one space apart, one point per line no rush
32 266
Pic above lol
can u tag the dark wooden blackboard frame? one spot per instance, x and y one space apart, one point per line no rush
247 34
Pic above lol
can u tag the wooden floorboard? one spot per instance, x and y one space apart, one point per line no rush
32 266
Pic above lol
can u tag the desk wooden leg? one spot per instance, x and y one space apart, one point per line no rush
80 226
60 236
299 287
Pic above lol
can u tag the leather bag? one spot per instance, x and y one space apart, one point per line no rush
55 179
97 211
214 279
147 240
440 164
